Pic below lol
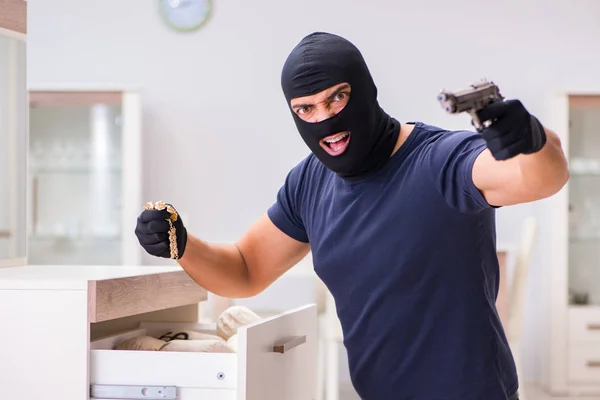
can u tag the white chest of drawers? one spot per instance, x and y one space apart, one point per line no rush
59 324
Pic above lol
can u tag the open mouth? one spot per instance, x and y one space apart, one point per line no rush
336 144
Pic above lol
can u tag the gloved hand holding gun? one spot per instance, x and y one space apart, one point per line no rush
507 127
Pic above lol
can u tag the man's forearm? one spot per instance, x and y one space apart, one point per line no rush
544 173
524 178
219 268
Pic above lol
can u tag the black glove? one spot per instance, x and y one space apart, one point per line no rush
513 130
152 231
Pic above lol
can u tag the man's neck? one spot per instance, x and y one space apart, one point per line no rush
405 130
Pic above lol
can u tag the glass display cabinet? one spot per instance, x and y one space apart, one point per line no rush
13 134
584 201
571 339
84 176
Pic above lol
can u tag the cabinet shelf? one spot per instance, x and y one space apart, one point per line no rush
582 174
73 238
74 170
585 239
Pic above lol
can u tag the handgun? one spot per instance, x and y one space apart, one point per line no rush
471 100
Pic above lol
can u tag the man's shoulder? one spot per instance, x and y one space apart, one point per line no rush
308 165
440 150
308 169
427 129
430 133
439 141
423 135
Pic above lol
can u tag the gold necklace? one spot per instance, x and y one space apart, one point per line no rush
161 205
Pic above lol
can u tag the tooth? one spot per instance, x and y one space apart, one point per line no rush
337 138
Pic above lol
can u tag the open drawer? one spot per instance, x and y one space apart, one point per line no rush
275 360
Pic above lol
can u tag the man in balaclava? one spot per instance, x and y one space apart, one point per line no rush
400 219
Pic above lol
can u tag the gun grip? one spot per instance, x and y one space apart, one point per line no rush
478 124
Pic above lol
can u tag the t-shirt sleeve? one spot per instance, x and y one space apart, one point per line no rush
285 211
451 158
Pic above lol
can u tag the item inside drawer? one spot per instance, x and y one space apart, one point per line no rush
220 337
167 336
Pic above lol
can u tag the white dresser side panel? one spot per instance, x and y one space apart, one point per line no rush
44 351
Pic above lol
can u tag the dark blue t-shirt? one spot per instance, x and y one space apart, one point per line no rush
409 254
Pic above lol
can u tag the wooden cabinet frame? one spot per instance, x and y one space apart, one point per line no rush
13 16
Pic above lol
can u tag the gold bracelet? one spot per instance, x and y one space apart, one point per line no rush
161 205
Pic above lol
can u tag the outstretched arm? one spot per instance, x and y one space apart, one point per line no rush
234 270
274 243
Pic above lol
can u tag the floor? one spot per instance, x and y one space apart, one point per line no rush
531 391
535 394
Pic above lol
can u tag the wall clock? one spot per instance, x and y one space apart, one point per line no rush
185 15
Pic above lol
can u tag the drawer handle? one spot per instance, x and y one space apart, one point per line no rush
593 364
289 344
593 327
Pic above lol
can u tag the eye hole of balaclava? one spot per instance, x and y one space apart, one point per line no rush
322 105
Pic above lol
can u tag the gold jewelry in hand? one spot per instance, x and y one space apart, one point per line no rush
161 205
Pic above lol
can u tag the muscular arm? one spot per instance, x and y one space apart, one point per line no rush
247 267
524 178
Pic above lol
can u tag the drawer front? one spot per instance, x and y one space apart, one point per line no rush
122 297
584 325
162 368
278 357
584 364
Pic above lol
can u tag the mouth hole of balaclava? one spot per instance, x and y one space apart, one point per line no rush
323 105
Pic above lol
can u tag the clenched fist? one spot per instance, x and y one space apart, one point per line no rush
513 131
152 231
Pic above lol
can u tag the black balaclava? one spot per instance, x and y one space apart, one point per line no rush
322 60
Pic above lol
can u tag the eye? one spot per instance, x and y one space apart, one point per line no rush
303 110
340 96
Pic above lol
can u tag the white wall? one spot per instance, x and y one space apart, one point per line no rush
218 139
